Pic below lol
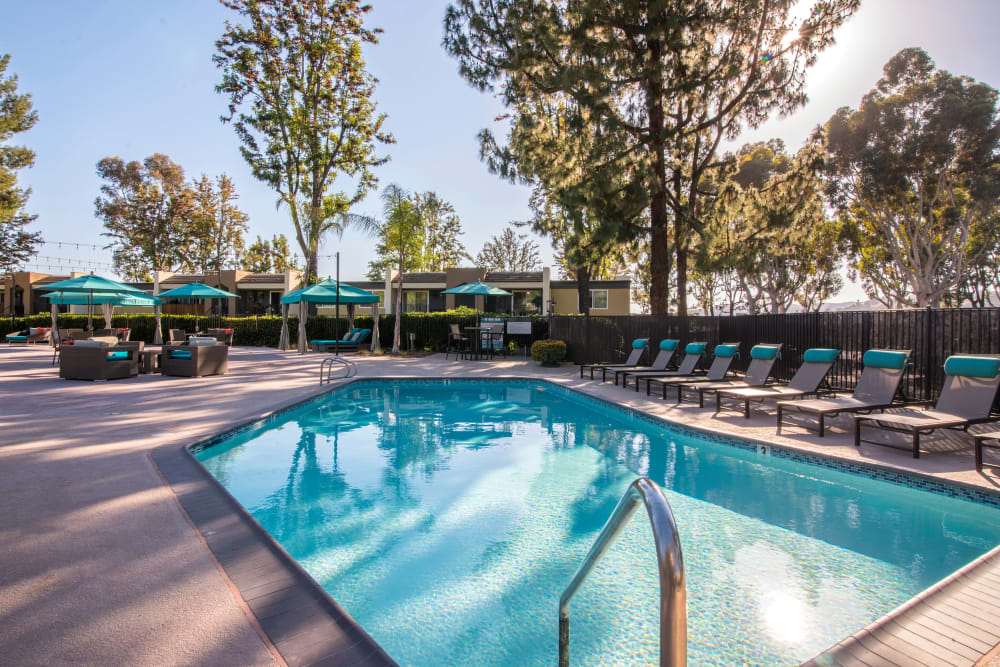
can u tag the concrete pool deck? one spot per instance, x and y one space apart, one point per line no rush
102 565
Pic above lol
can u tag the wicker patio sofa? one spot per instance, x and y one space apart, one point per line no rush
195 359
96 359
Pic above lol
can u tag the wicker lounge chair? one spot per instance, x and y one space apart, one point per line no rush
95 359
176 336
639 346
690 361
807 381
762 358
724 356
876 389
200 356
662 361
29 336
221 335
966 399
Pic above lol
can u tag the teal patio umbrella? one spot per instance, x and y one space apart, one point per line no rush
110 299
480 288
91 285
196 292
329 292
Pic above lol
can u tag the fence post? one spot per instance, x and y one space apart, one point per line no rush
928 351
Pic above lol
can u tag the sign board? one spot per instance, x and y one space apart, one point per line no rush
515 328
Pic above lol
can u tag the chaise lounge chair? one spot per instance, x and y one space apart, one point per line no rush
349 343
816 364
724 356
966 399
660 363
692 357
876 389
29 336
639 346
762 358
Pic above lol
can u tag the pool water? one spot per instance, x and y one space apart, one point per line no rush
447 518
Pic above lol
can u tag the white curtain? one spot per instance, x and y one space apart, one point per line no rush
107 310
376 343
350 316
54 334
303 310
283 339
158 334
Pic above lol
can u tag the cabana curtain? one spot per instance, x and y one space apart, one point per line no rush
283 339
303 310
158 333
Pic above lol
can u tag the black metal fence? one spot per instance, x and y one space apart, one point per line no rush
932 335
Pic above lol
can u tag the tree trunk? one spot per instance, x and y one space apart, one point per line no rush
680 241
397 323
583 289
659 245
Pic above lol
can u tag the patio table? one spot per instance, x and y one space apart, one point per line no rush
480 333
149 362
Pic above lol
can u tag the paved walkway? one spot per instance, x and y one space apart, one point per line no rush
98 563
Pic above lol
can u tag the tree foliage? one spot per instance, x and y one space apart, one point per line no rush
302 105
274 256
17 245
157 220
509 251
658 85
916 176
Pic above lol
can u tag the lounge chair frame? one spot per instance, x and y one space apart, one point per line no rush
633 359
703 389
662 361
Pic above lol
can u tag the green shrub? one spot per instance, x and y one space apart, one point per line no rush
550 352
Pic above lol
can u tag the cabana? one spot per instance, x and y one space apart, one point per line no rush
327 292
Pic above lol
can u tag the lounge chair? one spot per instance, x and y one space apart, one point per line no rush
96 359
198 357
176 336
692 357
724 356
639 346
966 399
660 363
807 381
762 358
350 342
221 335
29 336
876 389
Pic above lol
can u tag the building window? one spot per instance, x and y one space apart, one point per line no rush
380 293
415 301
527 302
599 299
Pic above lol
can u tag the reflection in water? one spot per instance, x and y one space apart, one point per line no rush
447 518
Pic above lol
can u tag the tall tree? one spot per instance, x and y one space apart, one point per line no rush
509 251
914 170
148 211
274 256
400 235
442 228
17 245
219 225
664 81
302 104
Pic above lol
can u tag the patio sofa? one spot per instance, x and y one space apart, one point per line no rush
29 336
97 359
198 357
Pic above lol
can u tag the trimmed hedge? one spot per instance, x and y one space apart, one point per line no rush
431 329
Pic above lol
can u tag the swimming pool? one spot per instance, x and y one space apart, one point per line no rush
447 517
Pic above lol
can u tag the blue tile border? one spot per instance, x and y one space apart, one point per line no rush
910 480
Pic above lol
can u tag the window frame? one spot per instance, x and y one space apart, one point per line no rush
607 299
427 300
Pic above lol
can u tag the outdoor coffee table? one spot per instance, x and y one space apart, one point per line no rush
150 361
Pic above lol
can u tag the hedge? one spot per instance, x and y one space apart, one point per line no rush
431 329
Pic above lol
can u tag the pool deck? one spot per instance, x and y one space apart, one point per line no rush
118 549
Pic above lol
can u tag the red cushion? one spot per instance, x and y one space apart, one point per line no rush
228 330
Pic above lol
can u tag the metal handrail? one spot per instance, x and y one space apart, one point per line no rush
350 370
669 560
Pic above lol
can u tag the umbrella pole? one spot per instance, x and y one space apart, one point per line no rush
336 320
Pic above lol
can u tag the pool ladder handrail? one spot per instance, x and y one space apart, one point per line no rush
328 365
669 560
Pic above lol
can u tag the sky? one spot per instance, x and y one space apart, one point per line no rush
130 78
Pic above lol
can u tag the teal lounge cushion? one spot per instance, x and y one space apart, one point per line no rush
885 359
820 355
13 337
727 351
767 352
973 367
669 344
640 343
122 355
180 354
695 348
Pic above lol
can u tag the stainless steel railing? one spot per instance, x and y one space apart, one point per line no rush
329 364
673 590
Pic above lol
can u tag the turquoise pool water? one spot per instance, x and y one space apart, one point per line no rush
448 518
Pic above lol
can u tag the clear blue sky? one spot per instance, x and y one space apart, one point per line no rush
130 78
